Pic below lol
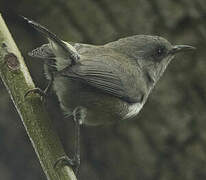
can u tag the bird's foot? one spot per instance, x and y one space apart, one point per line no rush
66 161
39 91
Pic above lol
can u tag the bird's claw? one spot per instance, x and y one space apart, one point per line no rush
39 91
66 161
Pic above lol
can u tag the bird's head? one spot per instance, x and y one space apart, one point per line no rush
152 54
155 53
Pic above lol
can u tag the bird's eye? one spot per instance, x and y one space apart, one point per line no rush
160 51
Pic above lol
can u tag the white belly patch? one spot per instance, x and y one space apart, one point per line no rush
133 110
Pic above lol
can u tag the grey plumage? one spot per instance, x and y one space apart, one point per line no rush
109 79
112 81
57 45
44 52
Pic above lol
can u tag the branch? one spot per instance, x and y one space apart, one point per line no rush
17 80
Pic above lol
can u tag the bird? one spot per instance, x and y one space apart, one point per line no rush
102 84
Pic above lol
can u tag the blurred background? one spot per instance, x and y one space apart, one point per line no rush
167 140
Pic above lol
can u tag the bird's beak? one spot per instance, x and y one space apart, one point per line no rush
180 48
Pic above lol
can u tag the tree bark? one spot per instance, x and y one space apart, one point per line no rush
39 128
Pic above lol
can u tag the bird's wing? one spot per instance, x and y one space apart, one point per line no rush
108 78
59 47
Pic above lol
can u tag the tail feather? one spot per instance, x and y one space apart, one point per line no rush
57 46
43 52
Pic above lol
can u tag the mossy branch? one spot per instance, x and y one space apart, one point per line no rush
17 80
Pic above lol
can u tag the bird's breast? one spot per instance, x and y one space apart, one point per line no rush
102 108
133 110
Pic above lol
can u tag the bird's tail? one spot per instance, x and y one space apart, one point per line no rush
64 53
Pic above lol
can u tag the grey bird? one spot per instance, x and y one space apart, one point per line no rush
103 84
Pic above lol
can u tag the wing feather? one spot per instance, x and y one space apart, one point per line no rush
104 77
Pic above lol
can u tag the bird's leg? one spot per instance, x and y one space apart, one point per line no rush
78 118
43 93
79 115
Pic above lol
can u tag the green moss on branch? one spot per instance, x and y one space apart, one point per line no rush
17 80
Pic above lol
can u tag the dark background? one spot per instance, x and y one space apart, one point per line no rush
167 140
